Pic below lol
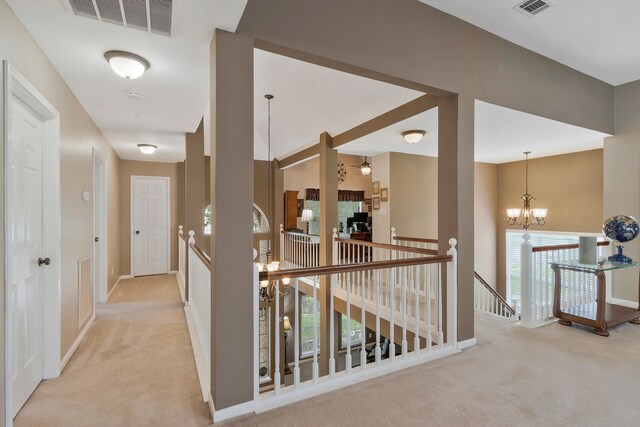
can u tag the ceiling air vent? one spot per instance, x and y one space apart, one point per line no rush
532 7
146 15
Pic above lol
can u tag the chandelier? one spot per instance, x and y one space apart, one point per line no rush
527 216
268 288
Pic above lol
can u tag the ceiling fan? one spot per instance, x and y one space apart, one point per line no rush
365 167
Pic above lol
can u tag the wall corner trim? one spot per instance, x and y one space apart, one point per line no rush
120 279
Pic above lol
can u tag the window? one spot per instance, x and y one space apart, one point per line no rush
264 344
356 331
345 210
306 325
260 222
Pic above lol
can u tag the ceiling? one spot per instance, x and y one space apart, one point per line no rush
175 88
310 99
501 135
599 38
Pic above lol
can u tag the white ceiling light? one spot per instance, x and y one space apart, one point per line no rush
413 136
127 64
147 148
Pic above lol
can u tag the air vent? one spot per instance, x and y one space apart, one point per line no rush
146 15
532 7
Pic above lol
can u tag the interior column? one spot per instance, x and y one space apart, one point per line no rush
328 221
455 197
232 289
194 183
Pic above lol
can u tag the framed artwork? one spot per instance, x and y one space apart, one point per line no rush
384 194
376 187
369 208
367 201
376 203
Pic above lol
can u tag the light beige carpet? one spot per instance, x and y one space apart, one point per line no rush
135 367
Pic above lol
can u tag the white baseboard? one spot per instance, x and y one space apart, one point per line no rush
173 272
120 279
232 411
204 375
77 342
466 343
623 302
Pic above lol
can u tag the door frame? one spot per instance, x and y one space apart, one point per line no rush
132 220
100 191
15 84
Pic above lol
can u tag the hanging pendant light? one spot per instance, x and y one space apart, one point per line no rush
527 216
269 288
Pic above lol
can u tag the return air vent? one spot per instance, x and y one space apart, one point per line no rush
532 7
146 15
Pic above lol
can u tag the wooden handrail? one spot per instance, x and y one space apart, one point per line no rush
183 237
390 247
203 257
562 247
494 292
416 240
348 268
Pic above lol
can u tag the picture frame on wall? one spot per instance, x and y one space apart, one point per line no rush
367 201
376 187
376 203
384 194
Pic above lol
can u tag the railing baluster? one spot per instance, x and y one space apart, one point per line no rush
440 331
316 279
296 350
276 376
378 351
332 328
348 356
416 279
363 312
404 279
427 294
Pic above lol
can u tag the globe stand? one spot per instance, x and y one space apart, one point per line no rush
620 258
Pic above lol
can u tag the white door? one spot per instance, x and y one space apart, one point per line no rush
150 225
25 239
99 230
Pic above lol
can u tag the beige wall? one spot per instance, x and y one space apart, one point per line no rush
622 176
413 195
128 168
570 186
78 136
381 172
486 221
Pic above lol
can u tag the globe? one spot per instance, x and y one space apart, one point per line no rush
622 229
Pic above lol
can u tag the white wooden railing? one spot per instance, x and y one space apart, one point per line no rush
198 306
299 250
397 296
182 263
537 281
488 300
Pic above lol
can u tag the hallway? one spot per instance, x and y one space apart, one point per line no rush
134 367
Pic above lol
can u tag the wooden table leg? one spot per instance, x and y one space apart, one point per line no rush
601 324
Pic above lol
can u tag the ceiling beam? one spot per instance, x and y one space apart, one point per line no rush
300 156
403 112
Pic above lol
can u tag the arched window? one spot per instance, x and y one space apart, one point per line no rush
260 221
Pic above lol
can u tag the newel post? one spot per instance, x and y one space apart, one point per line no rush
393 235
180 232
452 294
192 239
336 247
282 243
526 280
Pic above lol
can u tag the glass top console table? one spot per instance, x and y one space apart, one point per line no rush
599 314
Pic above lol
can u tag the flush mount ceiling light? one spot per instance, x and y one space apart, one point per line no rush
147 148
413 136
127 64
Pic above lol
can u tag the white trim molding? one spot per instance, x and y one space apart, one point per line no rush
77 342
232 411
623 302
467 343
204 376
120 279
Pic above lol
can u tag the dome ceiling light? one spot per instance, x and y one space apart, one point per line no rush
413 136
126 64
147 148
